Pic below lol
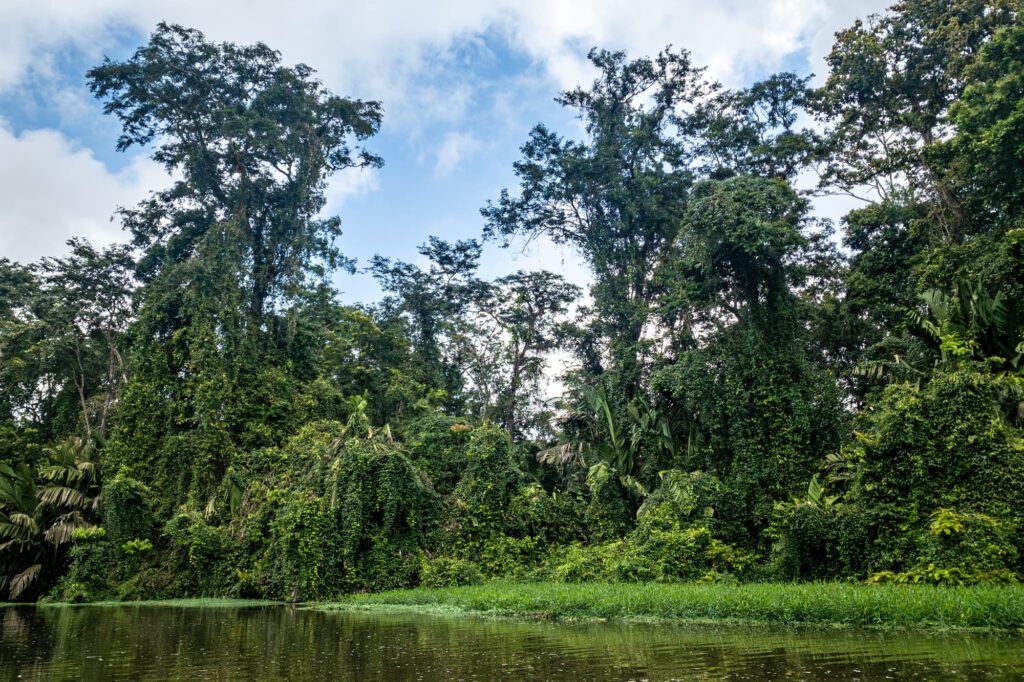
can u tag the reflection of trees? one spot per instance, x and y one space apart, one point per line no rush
130 642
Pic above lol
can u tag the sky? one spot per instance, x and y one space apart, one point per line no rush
462 82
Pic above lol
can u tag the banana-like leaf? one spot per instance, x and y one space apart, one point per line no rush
598 474
63 496
24 580
61 473
633 485
24 521
60 532
15 532
566 453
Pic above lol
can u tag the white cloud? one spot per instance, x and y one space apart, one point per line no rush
391 50
455 148
54 190
381 47
351 182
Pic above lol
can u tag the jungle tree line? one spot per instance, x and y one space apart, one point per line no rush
747 399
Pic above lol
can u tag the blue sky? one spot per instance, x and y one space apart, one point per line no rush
461 83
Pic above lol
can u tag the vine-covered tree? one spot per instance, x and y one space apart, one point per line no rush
228 246
616 196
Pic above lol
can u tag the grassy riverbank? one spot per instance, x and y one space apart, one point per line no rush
983 607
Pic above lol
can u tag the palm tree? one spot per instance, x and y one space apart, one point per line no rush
972 331
70 487
38 518
610 440
21 546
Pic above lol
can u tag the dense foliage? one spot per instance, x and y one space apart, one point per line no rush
753 393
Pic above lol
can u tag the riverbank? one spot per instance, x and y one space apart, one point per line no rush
978 607
878 606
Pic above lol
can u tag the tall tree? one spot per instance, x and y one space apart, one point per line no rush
231 243
435 303
891 82
616 196
758 409
752 131
528 310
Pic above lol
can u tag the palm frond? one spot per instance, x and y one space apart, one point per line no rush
61 473
63 496
24 580
60 532
15 532
563 454
23 520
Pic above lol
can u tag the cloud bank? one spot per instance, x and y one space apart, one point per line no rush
426 61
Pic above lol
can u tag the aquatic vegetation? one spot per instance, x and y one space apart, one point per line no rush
979 606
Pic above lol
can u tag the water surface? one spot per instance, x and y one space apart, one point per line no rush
283 643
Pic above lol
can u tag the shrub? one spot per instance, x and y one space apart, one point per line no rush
504 556
960 548
449 572
127 509
201 555
943 444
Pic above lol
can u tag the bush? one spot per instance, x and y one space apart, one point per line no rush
127 510
201 555
971 542
448 572
943 444
659 550
510 557
92 566
579 564
960 548
384 510
552 518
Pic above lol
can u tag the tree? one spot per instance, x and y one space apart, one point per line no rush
986 158
751 131
905 102
758 408
226 249
254 142
436 305
616 196
989 119
891 82
40 511
62 328
87 308
19 368
528 309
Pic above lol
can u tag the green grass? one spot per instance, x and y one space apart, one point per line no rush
887 606
976 607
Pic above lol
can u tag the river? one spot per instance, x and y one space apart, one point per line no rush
285 643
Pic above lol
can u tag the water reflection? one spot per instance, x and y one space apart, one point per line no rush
271 643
